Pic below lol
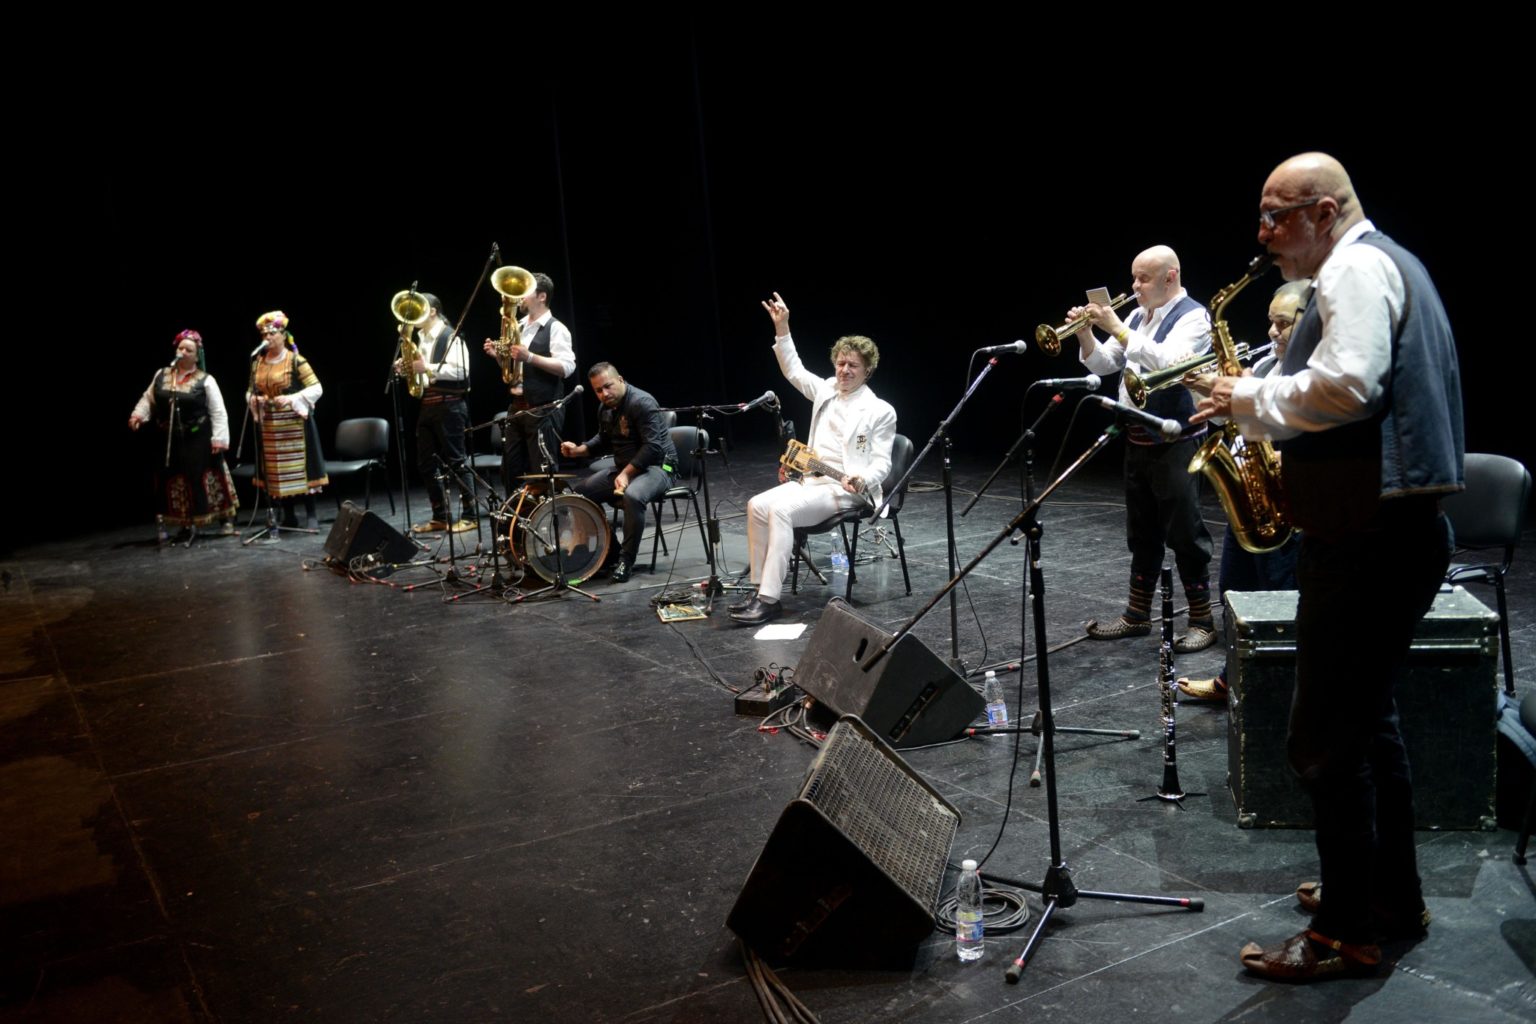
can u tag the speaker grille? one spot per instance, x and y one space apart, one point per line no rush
878 802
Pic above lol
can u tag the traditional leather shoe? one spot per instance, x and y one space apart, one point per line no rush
1119 629
227 529
430 526
1197 639
1309 956
757 612
463 526
623 569
743 604
1310 896
1198 690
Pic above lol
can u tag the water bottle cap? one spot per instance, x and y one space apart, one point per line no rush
967 865
991 674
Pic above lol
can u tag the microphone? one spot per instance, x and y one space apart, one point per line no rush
1169 430
1017 348
578 389
763 399
257 350
1088 383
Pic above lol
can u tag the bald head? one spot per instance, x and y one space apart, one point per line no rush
1155 276
1310 175
1311 204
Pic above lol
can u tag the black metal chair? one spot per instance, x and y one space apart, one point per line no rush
686 440
1489 514
901 459
362 445
487 463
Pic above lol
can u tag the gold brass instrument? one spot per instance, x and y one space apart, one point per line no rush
1246 475
411 309
514 284
1138 387
1049 338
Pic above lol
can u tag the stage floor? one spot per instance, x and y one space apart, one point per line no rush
240 787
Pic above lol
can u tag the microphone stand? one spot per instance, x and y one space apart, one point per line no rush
1057 891
709 531
392 387
560 586
942 433
1026 441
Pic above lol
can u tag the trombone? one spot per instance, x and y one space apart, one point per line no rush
1138 387
1049 338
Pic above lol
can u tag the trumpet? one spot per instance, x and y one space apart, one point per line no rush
1138 387
1049 338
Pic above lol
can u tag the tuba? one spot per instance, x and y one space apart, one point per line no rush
514 284
1246 475
411 309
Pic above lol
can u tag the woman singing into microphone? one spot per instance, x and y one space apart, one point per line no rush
282 393
193 487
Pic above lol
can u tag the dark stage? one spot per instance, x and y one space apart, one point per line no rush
239 790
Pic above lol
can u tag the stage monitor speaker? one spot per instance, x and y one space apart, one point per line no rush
852 873
909 698
358 532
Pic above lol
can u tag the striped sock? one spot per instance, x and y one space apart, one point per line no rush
1139 607
1199 597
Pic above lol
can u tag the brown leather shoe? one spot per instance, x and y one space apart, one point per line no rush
430 526
1119 629
1309 956
1310 896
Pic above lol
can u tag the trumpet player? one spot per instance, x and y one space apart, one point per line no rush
548 358
1162 506
442 356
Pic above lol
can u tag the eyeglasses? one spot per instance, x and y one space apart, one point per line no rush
271 330
1270 218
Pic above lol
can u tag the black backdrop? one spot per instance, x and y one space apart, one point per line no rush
937 201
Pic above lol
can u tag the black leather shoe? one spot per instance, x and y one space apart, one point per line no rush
757 612
622 570
743 604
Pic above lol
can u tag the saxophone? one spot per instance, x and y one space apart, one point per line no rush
1245 474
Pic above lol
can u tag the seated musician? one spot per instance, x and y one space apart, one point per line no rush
851 433
630 428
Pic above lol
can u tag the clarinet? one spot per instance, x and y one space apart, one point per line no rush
1168 681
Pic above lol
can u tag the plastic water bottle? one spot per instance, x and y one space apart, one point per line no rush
839 561
997 708
970 921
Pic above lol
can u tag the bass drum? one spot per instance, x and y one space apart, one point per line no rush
577 525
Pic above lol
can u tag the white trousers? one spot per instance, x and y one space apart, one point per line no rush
771 520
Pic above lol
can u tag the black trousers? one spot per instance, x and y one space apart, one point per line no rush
522 434
1362 595
1162 510
440 435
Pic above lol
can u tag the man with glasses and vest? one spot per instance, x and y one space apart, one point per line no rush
532 432
1162 498
1366 408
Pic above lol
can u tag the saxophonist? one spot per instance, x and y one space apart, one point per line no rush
548 358
1367 408
1162 499
443 357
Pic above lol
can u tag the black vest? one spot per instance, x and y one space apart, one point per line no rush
1170 403
540 387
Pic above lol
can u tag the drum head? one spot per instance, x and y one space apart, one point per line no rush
582 533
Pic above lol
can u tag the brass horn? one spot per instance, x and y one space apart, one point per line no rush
1138 386
1049 338
411 308
514 284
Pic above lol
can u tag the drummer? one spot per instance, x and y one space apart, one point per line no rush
630 426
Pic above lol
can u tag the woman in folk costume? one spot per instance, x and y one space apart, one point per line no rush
193 487
282 394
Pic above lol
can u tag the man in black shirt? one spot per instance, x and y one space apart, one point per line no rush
630 427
